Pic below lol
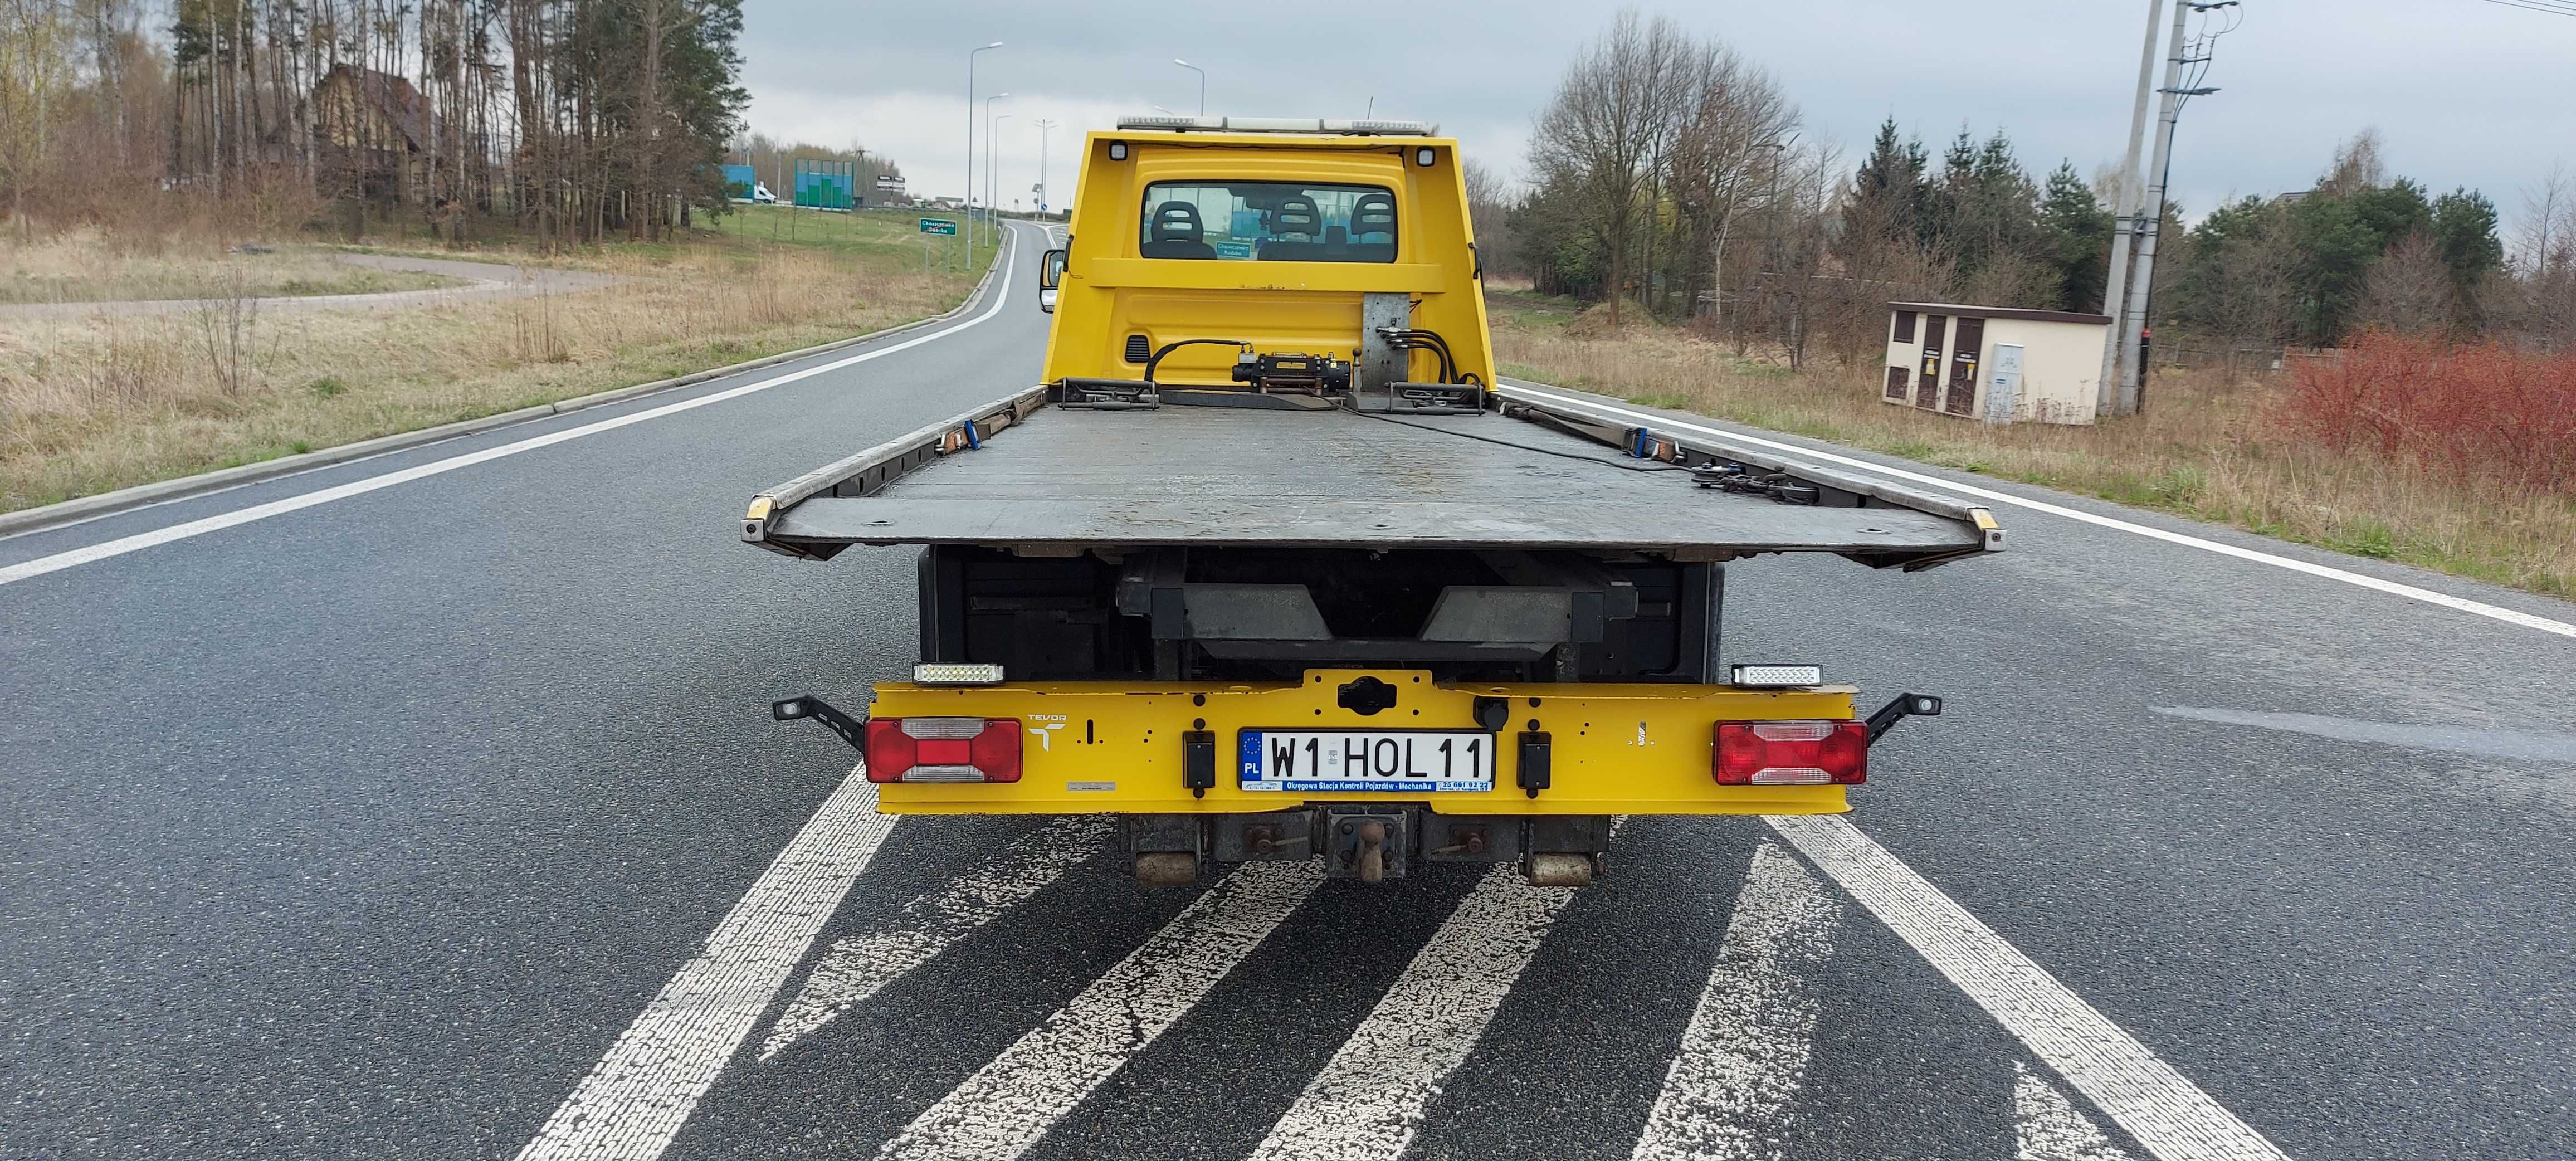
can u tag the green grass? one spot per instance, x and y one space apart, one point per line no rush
1529 310
889 234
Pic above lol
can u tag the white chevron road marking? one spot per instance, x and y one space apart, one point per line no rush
1368 1100
858 966
635 1099
2160 1107
2047 1126
1001 1111
1730 1090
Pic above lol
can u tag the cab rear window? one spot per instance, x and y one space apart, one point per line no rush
1268 221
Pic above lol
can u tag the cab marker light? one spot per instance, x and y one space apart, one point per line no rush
1778 676
1117 151
956 673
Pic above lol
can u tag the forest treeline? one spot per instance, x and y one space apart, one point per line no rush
573 118
1669 174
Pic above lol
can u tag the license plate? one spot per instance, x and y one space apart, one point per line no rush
1412 761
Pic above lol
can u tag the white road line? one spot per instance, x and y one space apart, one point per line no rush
1730 1090
2428 596
858 966
635 1099
1368 1100
11 574
1002 1110
2047 1127
2159 1106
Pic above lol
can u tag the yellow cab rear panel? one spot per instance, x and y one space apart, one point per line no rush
1113 293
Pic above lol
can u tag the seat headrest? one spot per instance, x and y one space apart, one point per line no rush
1297 214
1176 222
1373 214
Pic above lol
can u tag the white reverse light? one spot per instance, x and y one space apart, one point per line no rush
1779 676
956 673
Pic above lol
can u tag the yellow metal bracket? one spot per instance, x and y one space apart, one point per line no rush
1091 747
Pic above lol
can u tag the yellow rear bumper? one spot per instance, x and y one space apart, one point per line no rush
1094 747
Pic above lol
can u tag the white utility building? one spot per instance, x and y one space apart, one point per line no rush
1995 363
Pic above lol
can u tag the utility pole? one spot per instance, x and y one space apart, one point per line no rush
1202 82
2133 321
2115 296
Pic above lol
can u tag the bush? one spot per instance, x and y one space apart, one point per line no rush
2477 413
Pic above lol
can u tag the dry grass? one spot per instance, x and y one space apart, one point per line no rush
2208 448
90 404
86 266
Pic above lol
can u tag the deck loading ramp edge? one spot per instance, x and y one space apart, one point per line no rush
1071 479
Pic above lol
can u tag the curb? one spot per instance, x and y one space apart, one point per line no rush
104 503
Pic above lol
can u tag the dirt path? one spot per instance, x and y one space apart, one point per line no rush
482 280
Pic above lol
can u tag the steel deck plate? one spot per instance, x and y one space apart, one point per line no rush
1225 476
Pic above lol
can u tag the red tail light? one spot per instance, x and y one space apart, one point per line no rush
1814 753
943 749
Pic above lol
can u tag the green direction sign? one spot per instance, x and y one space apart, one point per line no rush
939 226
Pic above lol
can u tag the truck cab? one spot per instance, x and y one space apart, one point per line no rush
1280 236
1270 566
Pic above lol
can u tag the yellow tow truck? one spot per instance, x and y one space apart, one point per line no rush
1269 566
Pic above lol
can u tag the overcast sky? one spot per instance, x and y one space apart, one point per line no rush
2464 92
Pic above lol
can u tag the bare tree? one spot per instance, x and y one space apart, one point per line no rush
2543 289
2409 289
1610 120
2357 165
1729 155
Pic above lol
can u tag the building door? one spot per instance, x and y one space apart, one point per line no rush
2003 386
1927 386
1963 366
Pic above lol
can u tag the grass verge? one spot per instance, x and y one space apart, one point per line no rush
2209 448
90 404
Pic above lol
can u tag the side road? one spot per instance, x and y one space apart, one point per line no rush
482 280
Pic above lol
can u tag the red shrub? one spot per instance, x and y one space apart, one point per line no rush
2481 412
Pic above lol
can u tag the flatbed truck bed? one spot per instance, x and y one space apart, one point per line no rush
1042 477
1264 568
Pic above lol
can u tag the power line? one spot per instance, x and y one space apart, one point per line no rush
2548 6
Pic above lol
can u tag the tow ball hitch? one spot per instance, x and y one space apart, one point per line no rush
1906 705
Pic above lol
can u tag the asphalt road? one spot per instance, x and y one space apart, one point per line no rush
371 826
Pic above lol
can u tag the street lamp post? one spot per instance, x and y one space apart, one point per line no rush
988 141
1202 82
993 164
1046 131
970 150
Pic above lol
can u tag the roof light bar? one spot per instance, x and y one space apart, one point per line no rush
1779 676
1179 123
956 673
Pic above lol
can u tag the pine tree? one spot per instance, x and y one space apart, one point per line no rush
2077 233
